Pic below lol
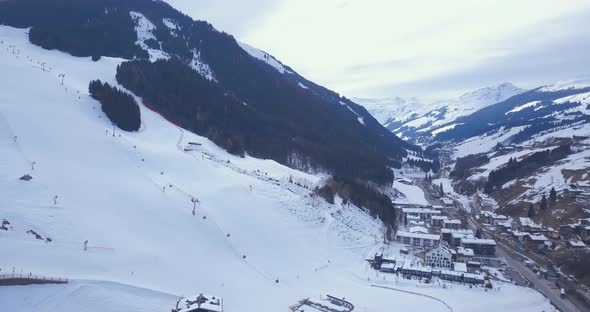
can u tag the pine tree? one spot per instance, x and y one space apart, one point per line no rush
553 195
543 202
478 233
531 212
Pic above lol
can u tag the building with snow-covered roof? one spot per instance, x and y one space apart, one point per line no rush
459 266
480 246
535 240
409 269
422 213
464 255
518 235
452 224
504 226
388 267
200 303
528 225
453 236
461 277
448 202
576 244
418 229
440 257
417 239
437 222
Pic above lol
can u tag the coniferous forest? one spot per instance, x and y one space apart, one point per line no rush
119 106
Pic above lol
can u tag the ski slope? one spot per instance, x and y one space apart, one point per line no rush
257 238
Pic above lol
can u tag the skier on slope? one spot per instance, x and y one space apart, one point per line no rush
86 245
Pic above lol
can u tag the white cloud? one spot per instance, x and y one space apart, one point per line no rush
374 47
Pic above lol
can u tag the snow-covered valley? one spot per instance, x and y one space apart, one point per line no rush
257 237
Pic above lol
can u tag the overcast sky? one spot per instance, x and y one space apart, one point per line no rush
428 49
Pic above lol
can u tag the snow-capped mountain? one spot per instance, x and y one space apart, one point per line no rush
248 102
546 108
388 110
419 121
135 220
526 146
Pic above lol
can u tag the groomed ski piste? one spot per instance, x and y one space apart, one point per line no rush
258 240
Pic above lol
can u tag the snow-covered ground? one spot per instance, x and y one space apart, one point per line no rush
484 143
257 239
412 194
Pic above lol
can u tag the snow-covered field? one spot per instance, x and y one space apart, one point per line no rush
256 239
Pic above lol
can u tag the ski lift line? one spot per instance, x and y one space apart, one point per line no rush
12 135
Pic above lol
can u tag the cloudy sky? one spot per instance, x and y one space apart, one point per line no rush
429 49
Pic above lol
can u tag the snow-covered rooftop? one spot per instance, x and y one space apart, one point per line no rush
478 241
418 235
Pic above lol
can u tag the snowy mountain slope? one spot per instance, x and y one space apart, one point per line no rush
388 110
413 119
540 109
269 111
130 195
544 119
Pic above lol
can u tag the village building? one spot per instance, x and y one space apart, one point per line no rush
480 246
504 226
464 255
447 202
423 213
519 236
462 277
437 221
460 267
535 241
452 224
528 225
441 257
409 269
575 244
418 229
417 239
388 267
568 230
453 237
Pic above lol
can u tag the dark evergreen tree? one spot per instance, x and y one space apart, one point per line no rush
553 195
543 203
478 233
120 107
442 191
531 212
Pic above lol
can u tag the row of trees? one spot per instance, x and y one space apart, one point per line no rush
120 107
361 195
279 133
464 164
425 165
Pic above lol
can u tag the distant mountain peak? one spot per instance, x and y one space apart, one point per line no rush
495 93
412 117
